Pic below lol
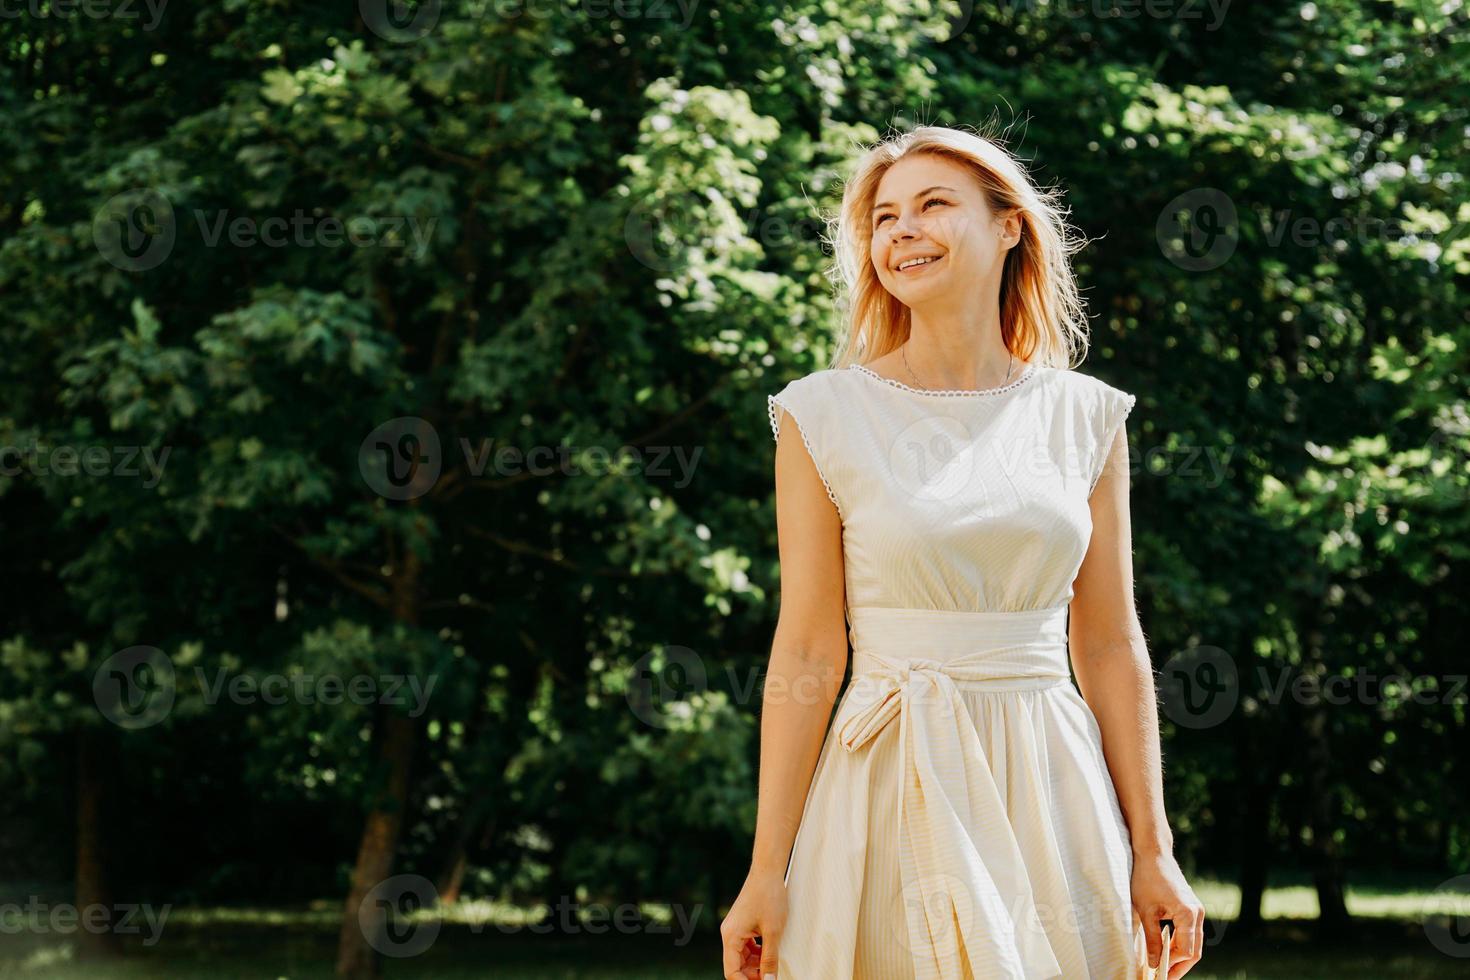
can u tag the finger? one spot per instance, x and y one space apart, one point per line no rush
1176 939
769 957
734 945
751 968
1151 939
1191 943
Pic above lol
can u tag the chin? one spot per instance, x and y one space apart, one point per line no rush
921 289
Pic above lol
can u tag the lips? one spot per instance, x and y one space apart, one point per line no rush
918 268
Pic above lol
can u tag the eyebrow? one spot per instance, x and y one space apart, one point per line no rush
889 204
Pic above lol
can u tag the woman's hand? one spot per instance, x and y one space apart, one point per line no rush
1160 892
760 910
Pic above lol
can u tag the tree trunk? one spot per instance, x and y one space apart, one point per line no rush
472 817
1260 766
1255 845
92 891
357 954
451 877
1327 870
357 959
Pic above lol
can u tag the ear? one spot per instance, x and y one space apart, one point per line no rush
1010 228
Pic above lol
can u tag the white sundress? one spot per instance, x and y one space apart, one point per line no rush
961 821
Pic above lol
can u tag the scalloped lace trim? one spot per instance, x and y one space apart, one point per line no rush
771 403
1107 442
1029 373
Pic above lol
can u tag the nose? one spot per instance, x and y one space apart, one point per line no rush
901 228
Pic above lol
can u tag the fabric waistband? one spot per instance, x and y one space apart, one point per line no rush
996 650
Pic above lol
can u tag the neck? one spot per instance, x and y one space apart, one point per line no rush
954 351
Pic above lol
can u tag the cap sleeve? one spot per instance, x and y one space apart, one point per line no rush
801 399
1110 408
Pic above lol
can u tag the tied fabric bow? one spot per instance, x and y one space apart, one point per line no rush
967 900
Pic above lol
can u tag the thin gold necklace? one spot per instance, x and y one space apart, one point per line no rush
903 352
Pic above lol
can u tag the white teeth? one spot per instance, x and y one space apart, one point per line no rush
913 262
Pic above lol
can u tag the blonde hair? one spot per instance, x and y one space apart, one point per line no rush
1041 313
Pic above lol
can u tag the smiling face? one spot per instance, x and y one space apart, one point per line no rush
927 207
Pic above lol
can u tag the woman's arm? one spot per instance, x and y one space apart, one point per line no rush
1114 673
808 660
808 653
1110 658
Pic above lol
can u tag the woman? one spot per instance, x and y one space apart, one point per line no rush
952 500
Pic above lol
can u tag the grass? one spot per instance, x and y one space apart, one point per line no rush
483 940
1292 896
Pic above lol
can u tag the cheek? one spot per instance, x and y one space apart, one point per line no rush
964 238
950 229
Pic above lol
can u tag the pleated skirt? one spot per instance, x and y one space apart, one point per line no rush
897 875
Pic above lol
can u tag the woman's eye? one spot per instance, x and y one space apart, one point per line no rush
933 200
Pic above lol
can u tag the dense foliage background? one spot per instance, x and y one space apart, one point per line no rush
245 241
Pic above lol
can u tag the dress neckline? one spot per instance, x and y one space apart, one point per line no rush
1027 373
